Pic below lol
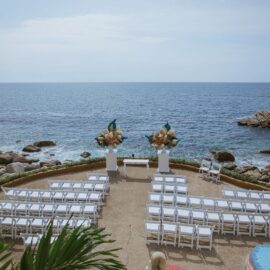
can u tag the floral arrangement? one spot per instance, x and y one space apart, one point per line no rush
165 138
111 137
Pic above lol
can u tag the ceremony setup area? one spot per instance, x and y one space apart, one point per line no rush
190 215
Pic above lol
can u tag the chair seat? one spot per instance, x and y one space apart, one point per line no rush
213 216
214 172
152 226
169 227
259 220
243 218
186 229
204 231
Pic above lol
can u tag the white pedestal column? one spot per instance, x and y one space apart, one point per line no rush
163 161
111 160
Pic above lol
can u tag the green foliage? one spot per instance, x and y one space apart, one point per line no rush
80 248
239 176
5 262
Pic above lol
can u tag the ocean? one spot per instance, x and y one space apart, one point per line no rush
204 116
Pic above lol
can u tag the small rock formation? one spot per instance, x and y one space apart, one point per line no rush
44 143
15 167
18 141
260 119
224 156
85 154
265 151
3 170
31 167
31 148
5 158
50 163
230 166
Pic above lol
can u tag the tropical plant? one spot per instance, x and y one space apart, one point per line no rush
5 262
111 137
165 138
79 248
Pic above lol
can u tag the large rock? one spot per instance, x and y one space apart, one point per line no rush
260 119
31 167
50 163
224 156
19 158
246 169
44 143
265 151
254 173
5 158
85 154
31 148
230 166
2 171
15 167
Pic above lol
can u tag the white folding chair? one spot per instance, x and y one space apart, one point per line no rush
168 213
208 203
194 202
222 204
157 187
168 199
230 193
204 168
180 179
169 188
213 219
169 234
259 225
228 223
154 212
198 216
183 215
181 189
152 230
181 200
204 236
186 235
243 224
214 172
236 206
154 198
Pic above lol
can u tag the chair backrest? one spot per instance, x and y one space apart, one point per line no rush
216 166
206 163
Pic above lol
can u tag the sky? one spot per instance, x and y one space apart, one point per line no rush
134 41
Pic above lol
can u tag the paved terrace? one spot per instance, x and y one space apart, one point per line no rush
125 211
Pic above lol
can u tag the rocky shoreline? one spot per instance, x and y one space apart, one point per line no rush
15 163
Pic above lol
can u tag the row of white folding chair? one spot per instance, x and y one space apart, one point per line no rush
258 224
32 240
48 209
52 195
13 226
210 170
79 185
209 202
97 177
224 204
246 194
170 178
177 234
169 188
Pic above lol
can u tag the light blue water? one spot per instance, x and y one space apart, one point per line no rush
204 116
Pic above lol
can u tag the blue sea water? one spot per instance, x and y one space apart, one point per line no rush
204 116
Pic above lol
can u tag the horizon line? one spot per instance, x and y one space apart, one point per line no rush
52 82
